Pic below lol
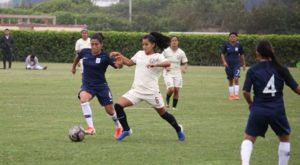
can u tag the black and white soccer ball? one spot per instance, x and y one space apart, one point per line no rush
76 133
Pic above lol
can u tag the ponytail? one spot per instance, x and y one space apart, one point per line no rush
265 49
161 41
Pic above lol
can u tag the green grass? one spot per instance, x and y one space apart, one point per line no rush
38 107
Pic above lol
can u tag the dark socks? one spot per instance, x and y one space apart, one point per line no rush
122 117
175 103
168 98
171 120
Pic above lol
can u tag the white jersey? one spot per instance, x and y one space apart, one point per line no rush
82 44
146 79
176 58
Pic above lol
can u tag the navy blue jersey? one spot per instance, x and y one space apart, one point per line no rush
268 82
232 53
94 67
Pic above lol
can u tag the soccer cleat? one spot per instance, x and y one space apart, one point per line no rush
118 132
231 98
90 131
180 134
236 97
123 135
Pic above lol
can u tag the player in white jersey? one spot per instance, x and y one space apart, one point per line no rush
149 67
82 43
172 74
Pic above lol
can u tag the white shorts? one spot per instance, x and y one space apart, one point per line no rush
173 82
156 100
34 67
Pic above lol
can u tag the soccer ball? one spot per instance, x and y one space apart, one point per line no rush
76 133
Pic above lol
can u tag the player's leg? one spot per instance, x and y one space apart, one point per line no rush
157 102
4 59
246 148
85 98
230 77
257 125
284 149
170 89
280 125
9 59
236 85
177 86
119 107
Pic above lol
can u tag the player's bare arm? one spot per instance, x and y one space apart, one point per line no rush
165 63
184 67
75 62
223 60
297 90
243 62
126 61
247 96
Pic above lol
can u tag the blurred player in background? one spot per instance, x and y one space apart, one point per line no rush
95 63
32 63
149 66
267 107
232 57
82 43
172 75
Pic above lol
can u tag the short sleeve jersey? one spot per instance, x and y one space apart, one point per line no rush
232 53
176 58
146 79
267 82
95 67
82 44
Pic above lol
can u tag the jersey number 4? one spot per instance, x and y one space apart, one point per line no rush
270 88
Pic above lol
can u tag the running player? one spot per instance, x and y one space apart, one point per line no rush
172 74
234 57
149 66
82 43
267 108
95 63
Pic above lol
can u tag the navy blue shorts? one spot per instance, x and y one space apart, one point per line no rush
232 71
260 118
103 94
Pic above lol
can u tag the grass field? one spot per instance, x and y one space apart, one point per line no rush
38 107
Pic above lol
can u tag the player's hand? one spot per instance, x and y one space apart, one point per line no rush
114 54
118 61
73 70
249 107
150 65
167 69
225 64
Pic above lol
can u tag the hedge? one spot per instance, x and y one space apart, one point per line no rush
201 49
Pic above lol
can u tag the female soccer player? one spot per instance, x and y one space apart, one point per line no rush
172 74
95 63
267 108
149 66
234 56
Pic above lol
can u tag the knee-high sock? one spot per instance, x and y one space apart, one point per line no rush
283 153
175 101
122 117
171 120
87 113
246 150
236 89
231 90
168 98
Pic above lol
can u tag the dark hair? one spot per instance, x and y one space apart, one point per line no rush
32 56
174 37
160 40
99 37
265 49
233 33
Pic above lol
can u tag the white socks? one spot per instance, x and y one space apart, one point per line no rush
231 90
236 90
87 112
246 150
284 153
115 119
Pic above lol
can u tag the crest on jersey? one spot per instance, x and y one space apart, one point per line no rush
236 49
152 60
98 60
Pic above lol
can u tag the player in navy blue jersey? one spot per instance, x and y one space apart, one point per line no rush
267 79
95 63
232 56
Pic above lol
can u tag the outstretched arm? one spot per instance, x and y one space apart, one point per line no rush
119 56
297 90
165 63
75 62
